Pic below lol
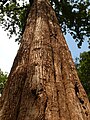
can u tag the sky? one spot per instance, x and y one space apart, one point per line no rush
9 48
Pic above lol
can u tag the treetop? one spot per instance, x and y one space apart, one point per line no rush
73 16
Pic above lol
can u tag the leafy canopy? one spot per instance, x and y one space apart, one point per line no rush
3 79
83 68
73 16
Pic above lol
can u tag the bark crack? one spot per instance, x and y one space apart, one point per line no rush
65 89
19 103
45 105
77 93
53 35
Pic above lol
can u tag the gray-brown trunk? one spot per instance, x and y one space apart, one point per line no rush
43 82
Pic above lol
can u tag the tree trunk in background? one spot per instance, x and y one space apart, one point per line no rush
43 82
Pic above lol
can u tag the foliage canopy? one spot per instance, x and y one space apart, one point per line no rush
73 16
3 79
83 68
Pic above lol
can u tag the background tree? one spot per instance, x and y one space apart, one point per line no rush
73 16
3 79
83 68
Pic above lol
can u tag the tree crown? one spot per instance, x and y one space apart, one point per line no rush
73 16
83 68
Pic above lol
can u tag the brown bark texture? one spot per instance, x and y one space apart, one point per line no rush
43 82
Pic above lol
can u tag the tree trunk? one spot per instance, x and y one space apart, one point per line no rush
43 82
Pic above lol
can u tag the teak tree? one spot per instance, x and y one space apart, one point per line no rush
43 82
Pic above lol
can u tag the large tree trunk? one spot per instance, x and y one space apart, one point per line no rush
43 82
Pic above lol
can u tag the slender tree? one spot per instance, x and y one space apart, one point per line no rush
43 82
